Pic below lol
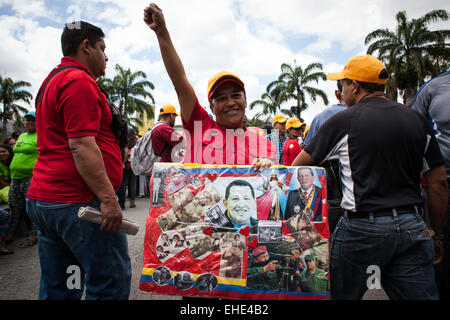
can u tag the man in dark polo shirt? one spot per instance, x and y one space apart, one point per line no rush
383 148
79 164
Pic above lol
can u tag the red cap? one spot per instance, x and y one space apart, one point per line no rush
222 77
259 251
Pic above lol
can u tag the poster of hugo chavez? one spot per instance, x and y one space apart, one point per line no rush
232 232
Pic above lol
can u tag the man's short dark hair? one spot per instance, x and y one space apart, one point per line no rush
268 128
77 32
164 116
369 87
239 183
339 85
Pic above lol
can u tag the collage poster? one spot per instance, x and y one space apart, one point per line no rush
232 232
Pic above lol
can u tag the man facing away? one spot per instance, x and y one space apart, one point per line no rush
225 140
165 141
79 164
164 137
383 148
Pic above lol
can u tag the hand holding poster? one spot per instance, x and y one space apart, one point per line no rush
228 231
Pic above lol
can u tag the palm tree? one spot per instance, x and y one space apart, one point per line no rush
129 89
256 121
410 52
270 100
10 93
293 84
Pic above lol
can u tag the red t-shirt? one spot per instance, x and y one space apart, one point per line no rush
208 143
291 149
162 136
72 106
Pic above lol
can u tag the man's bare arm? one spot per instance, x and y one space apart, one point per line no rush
303 159
89 163
154 18
437 198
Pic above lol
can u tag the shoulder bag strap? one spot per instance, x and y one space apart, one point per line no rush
39 97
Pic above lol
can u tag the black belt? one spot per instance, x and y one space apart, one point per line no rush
385 212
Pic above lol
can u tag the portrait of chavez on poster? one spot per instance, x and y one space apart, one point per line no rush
232 232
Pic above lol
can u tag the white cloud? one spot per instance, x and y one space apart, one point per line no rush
28 51
26 8
249 37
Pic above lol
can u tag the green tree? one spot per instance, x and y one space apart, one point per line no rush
294 84
256 121
12 92
129 90
270 101
412 52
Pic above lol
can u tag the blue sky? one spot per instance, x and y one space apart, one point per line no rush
251 38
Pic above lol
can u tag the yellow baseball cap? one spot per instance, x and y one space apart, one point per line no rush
279 118
306 131
168 109
294 123
221 78
363 68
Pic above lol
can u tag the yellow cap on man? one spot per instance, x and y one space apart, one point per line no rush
168 109
279 118
364 69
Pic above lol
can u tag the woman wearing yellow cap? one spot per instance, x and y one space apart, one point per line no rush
225 139
291 147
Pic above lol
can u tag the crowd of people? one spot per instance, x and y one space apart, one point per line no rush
17 159
383 149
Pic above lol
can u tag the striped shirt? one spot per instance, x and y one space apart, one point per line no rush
278 143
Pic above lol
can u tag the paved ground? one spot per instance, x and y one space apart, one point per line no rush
19 272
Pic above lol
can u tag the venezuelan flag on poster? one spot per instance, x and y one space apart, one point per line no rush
231 232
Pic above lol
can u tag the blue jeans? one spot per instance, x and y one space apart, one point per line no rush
66 241
403 254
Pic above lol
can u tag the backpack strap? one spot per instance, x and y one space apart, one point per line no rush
39 97
165 149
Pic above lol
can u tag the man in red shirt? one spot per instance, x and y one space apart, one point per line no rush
79 164
291 147
225 140
164 137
